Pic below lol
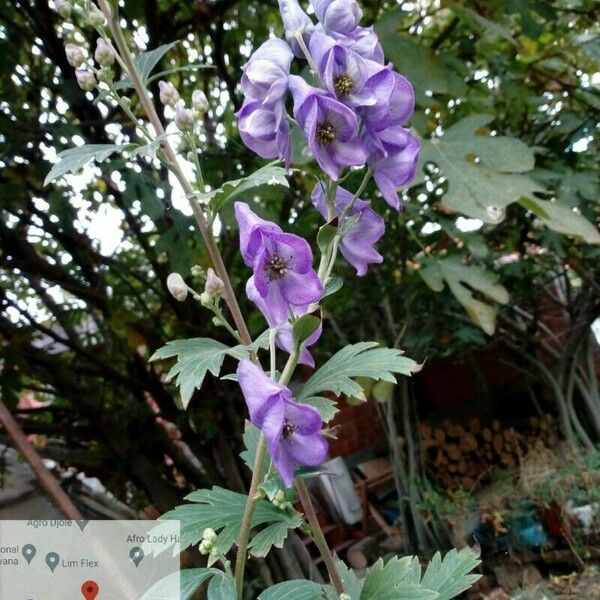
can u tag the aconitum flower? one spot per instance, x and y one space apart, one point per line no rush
362 40
283 330
343 72
104 54
75 55
396 164
265 75
339 16
356 245
168 94
292 430
296 23
330 128
265 129
282 264
85 79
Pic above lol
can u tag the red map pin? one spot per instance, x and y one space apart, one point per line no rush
90 589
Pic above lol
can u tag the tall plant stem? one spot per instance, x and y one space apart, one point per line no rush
174 165
318 537
240 563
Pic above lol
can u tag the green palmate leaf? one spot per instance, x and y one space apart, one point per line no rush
484 172
333 285
294 590
222 511
561 218
456 275
145 63
268 175
451 576
251 436
73 159
352 584
221 587
188 580
304 327
365 359
196 357
398 579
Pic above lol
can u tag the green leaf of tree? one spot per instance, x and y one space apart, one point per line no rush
189 581
222 510
561 218
299 589
145 63
450 576
73 159
363 359
456 275
221 587
484 172
268 175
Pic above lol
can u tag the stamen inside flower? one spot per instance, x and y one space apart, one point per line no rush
325 133
276 267
288 429
343 84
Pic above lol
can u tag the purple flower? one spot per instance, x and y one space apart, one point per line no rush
340 16
395 100
265 75
282 263
393 158
329 126
283 337
292 430
343 71
362 40
265 129
295 22
357 244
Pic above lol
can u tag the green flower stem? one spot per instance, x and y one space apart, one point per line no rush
240 563
150 110
318 536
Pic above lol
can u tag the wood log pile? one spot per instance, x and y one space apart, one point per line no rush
464 455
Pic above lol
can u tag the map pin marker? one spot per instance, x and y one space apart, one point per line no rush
28 552
136 554
52 560
90 589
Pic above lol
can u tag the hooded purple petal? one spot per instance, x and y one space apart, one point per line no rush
357 244
295 22
251 228
339 16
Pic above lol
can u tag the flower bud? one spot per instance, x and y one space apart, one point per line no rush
75 55
184 119
104 54
199 102
106 74
95 17
214 285
85 79
168 95
206 299
344 596
205 547
177 287
63 8
210 535
198 271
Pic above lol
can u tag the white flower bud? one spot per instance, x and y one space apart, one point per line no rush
106 74
104 54
95 17
198 271
199 102
214 285
206 299
168 95
177 287
184 119
344 596
63 8
210 535
85 79
205 547
75 55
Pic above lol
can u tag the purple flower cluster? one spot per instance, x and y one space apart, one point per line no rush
358 113
284 283
292 430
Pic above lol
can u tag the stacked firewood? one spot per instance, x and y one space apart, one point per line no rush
464 455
